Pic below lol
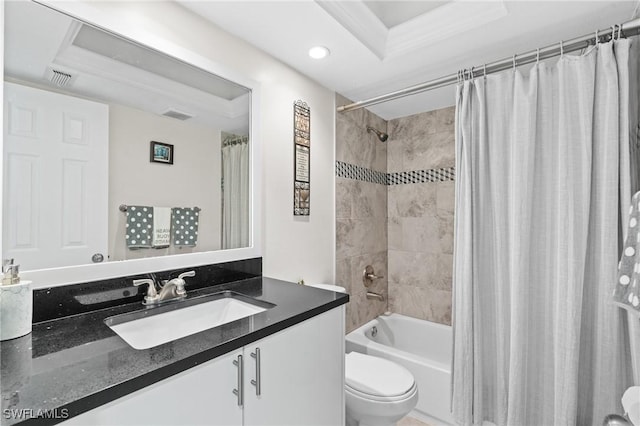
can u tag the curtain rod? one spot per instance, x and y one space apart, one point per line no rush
629 29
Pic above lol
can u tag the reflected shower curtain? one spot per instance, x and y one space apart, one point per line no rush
235 192
543 189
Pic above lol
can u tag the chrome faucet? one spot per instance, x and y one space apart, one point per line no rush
169 290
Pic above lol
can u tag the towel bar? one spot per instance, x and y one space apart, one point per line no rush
124 207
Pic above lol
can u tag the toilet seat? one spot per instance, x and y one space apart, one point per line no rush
408 395
377 379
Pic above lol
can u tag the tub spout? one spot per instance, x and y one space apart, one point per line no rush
372 295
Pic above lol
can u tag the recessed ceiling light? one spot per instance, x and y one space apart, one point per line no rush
319 52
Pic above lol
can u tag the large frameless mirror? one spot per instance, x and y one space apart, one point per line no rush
114 151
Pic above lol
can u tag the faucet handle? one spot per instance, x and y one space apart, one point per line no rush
187 274
180 283
152 294
368 275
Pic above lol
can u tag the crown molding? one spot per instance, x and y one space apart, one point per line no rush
434 26
440 24
361 22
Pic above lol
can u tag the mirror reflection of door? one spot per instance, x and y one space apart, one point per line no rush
55 172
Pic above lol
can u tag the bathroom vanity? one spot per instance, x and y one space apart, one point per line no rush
284 365
294 381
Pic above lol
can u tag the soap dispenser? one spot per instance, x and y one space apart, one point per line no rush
16 303
11 272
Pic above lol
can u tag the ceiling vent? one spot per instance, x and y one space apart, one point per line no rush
177 114
59 78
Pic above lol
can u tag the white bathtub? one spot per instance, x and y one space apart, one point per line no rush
424 348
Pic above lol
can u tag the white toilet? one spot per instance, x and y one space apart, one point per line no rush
378 392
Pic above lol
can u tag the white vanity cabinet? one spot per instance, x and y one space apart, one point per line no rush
301 375
301 379
201 395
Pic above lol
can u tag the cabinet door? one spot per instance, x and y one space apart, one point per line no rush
202 395
301 375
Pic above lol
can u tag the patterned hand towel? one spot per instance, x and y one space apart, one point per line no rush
161 227
184 224
139 227
627 292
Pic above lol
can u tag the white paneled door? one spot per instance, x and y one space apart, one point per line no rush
56 158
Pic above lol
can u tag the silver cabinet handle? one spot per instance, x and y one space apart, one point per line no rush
256 382
238 392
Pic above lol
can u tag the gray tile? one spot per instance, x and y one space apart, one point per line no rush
395 155
413 125
369 200
345 131
353 144
413 200
445 271
421 234
445 120
344 198
418 152
413 269
380 195
422 303
363 200
409 301
445 233
394 233
445 198
348 238
355 237
343 273
374 239
437 151
393 195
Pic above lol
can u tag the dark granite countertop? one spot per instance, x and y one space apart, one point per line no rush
70 365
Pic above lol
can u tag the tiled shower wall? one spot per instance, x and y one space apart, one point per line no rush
394 210
420 216
361 211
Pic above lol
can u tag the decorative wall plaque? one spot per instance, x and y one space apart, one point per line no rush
302 158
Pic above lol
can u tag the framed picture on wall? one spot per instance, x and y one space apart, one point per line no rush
161 153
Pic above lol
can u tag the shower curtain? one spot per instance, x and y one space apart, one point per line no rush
235 192
542 193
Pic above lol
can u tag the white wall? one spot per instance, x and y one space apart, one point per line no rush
292 248
192 180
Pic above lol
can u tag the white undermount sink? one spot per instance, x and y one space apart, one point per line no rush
155 326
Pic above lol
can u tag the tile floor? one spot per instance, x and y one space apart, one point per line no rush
410 421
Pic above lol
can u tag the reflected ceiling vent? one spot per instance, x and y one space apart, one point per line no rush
177 114
59 78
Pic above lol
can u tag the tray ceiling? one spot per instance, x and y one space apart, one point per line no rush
382 46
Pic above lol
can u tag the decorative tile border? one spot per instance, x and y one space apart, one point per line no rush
421 176
350 171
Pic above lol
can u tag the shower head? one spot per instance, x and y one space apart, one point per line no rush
381 135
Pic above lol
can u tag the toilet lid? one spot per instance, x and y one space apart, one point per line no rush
376 376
